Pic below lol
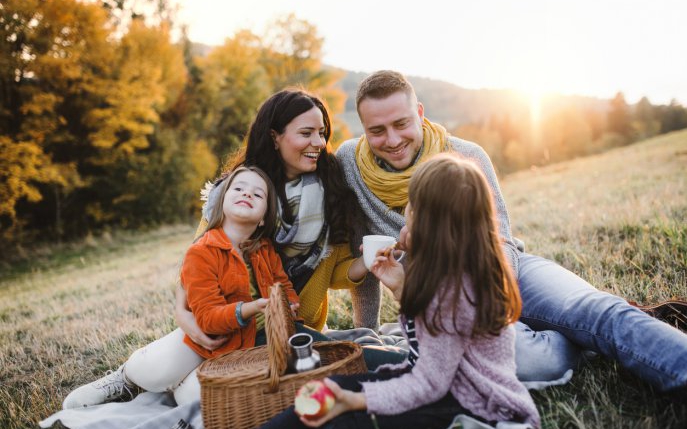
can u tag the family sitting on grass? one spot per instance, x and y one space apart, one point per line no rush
481 315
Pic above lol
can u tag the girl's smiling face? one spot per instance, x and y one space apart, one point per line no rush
301 143
246 199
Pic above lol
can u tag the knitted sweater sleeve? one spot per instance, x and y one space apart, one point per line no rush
434 372
366 298
476 154
344 260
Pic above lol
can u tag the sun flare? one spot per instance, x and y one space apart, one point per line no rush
535 99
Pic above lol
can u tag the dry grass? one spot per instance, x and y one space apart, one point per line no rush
68 324
617 219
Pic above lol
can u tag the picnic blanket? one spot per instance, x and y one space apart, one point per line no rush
159 410
148 410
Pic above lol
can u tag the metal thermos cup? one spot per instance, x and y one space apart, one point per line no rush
302 357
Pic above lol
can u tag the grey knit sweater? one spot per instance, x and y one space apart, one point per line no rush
479 372
381 220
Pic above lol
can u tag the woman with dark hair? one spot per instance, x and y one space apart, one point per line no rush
289 139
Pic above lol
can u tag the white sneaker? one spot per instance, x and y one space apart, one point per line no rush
111 387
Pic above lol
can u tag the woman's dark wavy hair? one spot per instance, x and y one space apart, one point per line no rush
341 206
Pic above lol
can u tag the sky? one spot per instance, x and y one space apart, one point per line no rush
586 47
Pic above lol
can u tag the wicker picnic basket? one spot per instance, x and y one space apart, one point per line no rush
245 388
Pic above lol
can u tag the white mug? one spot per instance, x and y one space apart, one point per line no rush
372 243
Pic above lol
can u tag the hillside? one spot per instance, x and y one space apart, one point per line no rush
642 185
453 106
617 219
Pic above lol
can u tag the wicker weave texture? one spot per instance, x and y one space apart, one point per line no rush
245 388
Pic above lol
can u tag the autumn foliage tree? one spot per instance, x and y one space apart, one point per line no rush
293 57
53 56
568 127
240 74
105 120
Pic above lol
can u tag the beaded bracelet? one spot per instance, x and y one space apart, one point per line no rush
239 318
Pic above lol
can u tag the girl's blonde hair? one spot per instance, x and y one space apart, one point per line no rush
215 215
455 234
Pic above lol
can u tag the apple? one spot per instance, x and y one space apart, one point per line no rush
313 400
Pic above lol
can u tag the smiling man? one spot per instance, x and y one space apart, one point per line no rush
569 313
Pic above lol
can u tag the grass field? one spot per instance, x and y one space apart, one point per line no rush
617 219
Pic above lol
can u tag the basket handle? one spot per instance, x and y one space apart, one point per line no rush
279 326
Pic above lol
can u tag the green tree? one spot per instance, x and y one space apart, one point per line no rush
239 75
619 118
645 122
292 56
672 117
233 84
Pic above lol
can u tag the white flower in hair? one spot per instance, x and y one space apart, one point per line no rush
210 195
205 192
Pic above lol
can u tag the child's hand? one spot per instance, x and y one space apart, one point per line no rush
294 309
187 322
260 305
346 400
389 271
208 343
250 309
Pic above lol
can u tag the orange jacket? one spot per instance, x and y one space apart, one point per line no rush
216 279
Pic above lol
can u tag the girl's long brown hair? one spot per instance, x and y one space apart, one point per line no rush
266 230
454 234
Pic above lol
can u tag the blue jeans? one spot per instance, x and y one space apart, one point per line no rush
440 414
562 306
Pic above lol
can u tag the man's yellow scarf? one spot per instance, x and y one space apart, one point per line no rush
392 187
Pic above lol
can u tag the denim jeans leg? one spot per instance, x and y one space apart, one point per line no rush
556 299
543 355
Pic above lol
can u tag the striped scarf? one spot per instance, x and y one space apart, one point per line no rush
303 244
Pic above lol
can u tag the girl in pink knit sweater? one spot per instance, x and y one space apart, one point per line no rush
458 301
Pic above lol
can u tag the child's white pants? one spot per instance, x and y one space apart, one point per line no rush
166 365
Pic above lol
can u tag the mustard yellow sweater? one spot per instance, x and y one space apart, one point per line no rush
332 272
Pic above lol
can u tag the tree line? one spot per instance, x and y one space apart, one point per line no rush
568 127
518 132
105 121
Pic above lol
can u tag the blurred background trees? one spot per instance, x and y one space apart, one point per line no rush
108 120
105 121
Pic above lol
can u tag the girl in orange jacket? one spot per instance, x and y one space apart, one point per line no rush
226 273
235 257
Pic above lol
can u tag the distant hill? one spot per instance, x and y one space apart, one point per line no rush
453 106
446 103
